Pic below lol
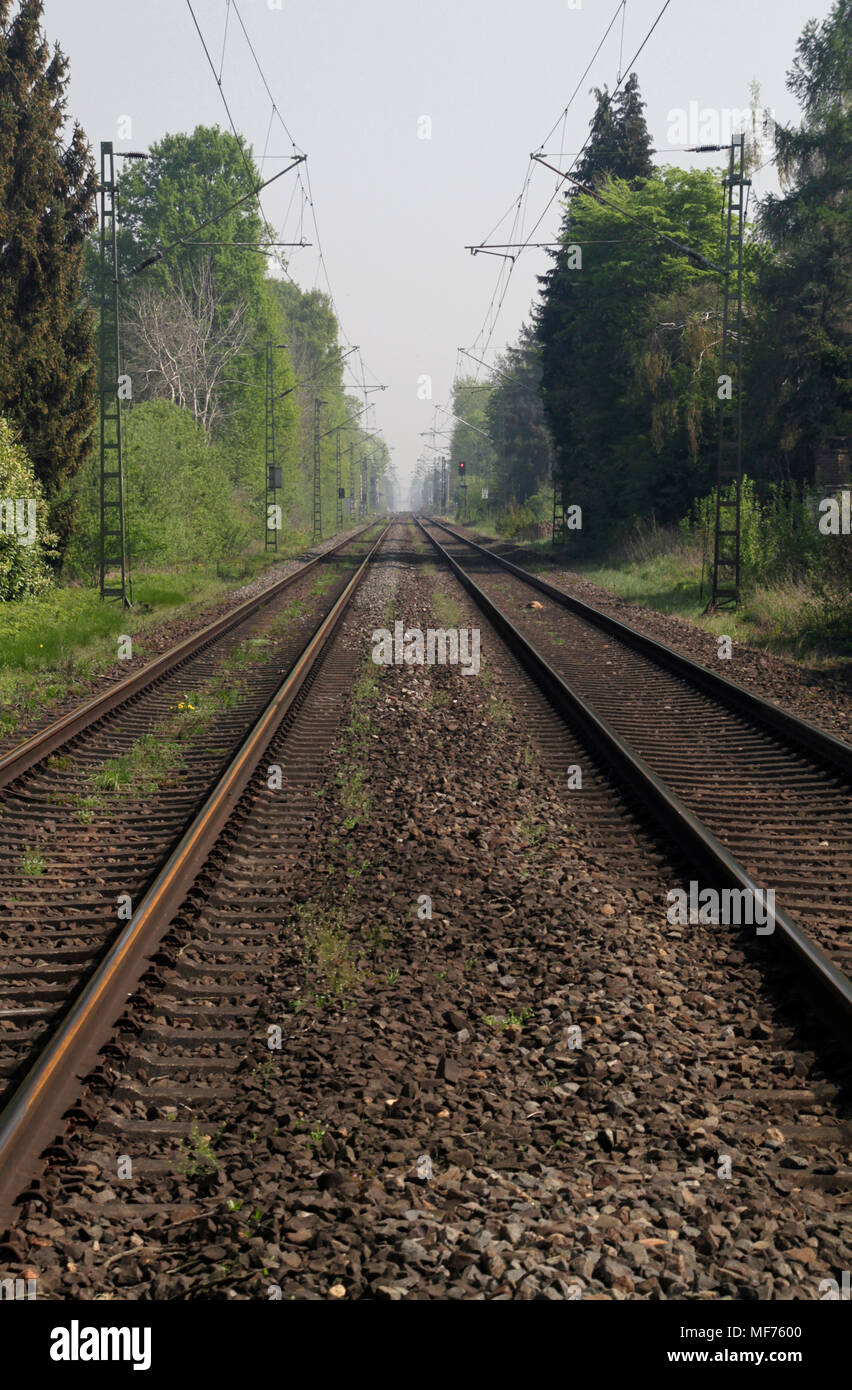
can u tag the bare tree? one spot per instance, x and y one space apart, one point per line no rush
179 344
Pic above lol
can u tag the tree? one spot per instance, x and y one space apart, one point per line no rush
470 442
517 424
207 291
47 192
629 345
182 505
802 368
181 347
619 143
619 147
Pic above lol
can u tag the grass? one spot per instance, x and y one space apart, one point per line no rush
86 806
196 1158
529 757
448 612
328 576
53 644
788 616
253 649
140 771
438 699
499 711
33 864
510 1020
327 957
355 799
286 617
532 831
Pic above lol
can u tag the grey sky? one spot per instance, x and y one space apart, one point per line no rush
351 79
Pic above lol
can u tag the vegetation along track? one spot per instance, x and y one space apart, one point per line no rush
757 798
98 809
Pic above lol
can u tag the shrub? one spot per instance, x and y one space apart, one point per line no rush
23 566
181 505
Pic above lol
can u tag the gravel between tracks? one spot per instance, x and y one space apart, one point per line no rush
405 1143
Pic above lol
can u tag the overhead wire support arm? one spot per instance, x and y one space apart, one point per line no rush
308 379
497 372
696 257
187 240
345 423
250 246
475 428
487 251
497 246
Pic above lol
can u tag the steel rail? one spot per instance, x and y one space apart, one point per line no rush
699 844
31 1119
836 753
33 750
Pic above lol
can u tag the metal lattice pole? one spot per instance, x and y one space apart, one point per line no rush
318 404
560 486
339 483
271 497
113 540
729 466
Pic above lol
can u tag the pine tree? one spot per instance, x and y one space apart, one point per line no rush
803 367
619 146
47 196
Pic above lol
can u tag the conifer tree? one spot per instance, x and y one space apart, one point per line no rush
802 368
47 207
619 146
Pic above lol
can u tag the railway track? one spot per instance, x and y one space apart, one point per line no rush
207 933
756 798
106 814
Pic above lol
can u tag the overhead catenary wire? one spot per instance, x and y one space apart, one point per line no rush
507 266
507 270
209 222
217 79
303 171
307 188
694 255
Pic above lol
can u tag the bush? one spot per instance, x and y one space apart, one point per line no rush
779 535
23 553
527 520
181 505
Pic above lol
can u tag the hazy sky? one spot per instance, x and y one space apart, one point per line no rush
353 80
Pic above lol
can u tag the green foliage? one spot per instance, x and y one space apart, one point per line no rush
47 194
523 521
181 504
189 179
629 348
779 531
24 568
517 424
470 444
802 363
619 144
